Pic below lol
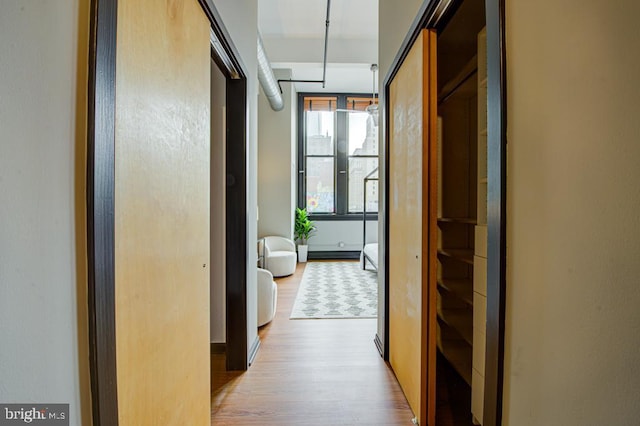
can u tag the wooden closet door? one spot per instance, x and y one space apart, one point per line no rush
162 213
412 226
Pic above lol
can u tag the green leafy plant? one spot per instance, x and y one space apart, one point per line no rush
303 226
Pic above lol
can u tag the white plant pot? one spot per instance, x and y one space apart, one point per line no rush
303 250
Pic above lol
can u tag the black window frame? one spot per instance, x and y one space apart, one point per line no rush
341 162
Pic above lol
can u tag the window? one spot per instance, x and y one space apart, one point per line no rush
337 149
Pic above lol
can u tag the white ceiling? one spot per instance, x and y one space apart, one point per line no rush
293 36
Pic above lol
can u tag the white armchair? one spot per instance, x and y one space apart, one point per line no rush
267 297
280 256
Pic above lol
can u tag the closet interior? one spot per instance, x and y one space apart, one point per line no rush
462 215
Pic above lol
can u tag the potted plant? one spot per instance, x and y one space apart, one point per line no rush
302 229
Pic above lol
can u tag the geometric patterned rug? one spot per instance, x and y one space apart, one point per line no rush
336 290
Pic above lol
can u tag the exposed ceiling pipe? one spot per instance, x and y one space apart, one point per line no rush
324 61
268 80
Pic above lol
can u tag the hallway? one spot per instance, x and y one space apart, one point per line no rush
309 372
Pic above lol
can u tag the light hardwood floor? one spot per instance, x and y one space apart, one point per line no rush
309 372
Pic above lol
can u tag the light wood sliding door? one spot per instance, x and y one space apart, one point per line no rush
412 226
162 213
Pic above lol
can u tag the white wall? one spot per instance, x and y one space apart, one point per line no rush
43 296
240 17
573 237
277 172
394 20
329 235
218 193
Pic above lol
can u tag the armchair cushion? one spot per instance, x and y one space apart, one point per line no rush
279 244
280 256
267 297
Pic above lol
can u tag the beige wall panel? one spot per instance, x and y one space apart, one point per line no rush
480 248
44 349
479 349
480 275
477 396
405 224
162 213
479 313
573 194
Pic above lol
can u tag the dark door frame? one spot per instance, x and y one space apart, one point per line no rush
226 56
436 14
100 201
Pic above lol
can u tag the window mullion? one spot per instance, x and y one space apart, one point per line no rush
341 157
302 160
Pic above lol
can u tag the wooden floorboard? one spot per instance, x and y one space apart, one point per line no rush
310 372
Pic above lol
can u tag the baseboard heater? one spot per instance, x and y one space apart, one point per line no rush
337 255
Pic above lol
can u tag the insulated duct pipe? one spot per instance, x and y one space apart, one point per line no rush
268 80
